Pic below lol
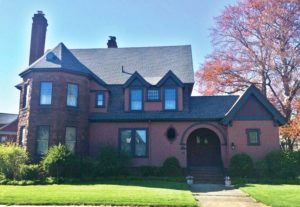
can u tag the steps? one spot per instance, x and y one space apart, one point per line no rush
213 175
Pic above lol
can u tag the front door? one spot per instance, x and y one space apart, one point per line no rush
203 148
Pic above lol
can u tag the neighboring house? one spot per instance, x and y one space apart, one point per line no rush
8 127
139 100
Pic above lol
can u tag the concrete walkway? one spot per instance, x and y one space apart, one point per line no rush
214 195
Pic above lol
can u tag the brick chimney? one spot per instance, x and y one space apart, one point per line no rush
38 36
112 43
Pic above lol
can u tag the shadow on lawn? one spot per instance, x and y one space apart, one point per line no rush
249 182
138 183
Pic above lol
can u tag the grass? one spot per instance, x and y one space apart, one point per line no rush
141 193
280 195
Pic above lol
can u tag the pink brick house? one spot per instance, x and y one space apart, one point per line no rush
139 100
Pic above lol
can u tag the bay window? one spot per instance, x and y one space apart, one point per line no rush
70 138
42 140
46 93
72 95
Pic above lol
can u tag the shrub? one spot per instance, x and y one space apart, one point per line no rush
12 157
30 172
282 164
241 165
171 167
150 171
111 162
57 162
261 168
82 167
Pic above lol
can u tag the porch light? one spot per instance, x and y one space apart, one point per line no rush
233 147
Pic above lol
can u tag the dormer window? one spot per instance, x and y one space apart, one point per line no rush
100 99
153 94
170 98
136 99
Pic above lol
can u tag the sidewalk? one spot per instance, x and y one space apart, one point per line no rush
214 195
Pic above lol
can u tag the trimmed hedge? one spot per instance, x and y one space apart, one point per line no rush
111 162
171 167
241 165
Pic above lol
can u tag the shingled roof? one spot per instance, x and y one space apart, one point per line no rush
6 118
152 63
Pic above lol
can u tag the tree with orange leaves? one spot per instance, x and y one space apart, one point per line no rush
256 42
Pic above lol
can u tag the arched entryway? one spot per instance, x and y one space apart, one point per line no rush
203 149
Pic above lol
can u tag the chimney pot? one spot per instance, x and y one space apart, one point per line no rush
112 43
38 36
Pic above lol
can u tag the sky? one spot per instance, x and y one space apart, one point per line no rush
88 23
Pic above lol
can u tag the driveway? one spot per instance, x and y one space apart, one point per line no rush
215 195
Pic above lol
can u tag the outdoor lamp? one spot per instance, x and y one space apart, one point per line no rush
233 146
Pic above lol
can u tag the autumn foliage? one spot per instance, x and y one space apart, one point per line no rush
257 42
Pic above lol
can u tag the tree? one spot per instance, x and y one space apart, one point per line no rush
291 131
256 42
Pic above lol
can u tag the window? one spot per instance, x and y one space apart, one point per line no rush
22 136
46 93
153 95
3 139
26 96
100 99
136 99
42 140
253 136
70 139
170 99
134 142
72 95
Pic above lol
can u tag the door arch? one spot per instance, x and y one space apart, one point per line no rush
203 148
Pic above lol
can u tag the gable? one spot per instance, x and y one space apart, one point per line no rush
170 79
252 109
136 80
253 105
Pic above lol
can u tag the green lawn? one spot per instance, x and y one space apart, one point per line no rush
159 193
274 195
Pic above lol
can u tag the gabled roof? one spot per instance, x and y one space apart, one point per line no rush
152 63
252 90
167 76
6 118
136 76
61 59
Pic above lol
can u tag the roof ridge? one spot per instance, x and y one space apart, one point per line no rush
129 47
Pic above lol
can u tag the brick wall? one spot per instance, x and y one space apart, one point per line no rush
57 115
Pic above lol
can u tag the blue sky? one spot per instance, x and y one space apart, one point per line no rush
88 23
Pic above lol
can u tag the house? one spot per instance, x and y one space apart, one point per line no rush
139 100
8 127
